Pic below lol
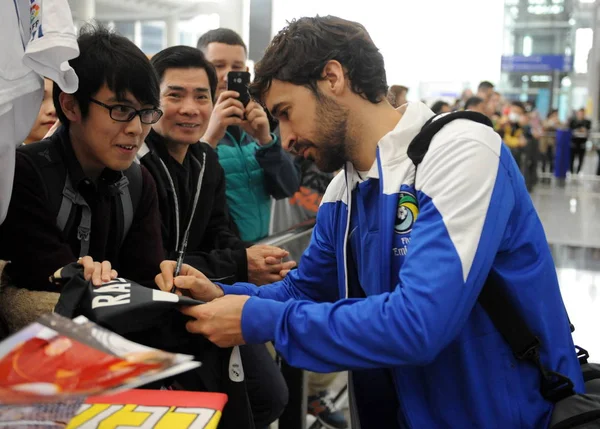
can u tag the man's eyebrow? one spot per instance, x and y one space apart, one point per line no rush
276 108
122 100
201 89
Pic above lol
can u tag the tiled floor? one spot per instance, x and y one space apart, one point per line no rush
570 213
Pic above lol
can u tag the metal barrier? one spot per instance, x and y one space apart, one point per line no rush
294 233
294 415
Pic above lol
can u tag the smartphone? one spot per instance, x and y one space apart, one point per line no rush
238 81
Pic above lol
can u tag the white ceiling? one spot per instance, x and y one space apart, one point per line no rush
132 10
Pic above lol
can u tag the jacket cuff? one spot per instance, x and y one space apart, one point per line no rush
241 263
268 145
235 289
259 319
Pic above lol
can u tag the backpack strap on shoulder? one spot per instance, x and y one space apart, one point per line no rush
130 191
419 146
71 197
51 170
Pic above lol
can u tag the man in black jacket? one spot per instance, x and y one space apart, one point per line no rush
191 182
191 193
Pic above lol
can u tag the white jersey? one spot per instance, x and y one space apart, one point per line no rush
52 42
35 42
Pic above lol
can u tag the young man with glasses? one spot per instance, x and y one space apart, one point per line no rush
88 160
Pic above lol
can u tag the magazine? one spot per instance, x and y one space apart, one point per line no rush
48 368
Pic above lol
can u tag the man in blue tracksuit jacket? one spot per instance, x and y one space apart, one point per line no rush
388 286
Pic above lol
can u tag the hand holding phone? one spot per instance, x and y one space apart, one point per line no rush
238 81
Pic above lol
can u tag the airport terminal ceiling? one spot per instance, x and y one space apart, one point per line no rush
127 10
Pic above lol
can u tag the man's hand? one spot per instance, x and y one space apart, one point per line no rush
98 272
190 280
228 111
265 264
256 123
220 321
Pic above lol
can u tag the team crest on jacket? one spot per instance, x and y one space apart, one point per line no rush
407 213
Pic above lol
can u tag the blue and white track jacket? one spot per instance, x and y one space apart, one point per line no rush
428 245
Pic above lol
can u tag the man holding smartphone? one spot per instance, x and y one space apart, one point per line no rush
256 167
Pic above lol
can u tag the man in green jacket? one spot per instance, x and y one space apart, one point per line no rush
256 167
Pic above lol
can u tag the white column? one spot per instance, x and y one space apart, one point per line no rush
231 13
83 11
594 68
172 22
137 34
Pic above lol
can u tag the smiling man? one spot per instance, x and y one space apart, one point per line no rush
191 195
77 193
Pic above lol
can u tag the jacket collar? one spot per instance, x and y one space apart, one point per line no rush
393 146
157 144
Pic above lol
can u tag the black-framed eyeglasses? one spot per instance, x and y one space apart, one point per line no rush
124 113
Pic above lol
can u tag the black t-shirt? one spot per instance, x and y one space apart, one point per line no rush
184 177
578 136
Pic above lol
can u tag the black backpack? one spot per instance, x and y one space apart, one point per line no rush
48 161
571 410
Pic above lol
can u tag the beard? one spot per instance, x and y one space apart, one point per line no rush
331 135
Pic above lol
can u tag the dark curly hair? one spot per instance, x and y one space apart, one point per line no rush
299 52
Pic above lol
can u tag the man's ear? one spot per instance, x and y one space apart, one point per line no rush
333 78
70 107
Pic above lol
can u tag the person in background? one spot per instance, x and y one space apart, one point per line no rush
492 107
512 129
598 167
464 97
476 104
548 140
515 130
580 127
397 95
46 116
256 167
536 130
485 89
441 107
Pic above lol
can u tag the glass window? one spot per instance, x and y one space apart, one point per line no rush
153 35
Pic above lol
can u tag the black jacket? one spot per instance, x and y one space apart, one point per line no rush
30 238
213 247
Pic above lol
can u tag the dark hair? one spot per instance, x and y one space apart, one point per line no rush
109 58
472 102
552 112
520 105
184 57
438 106
299 52
485 85
220 35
